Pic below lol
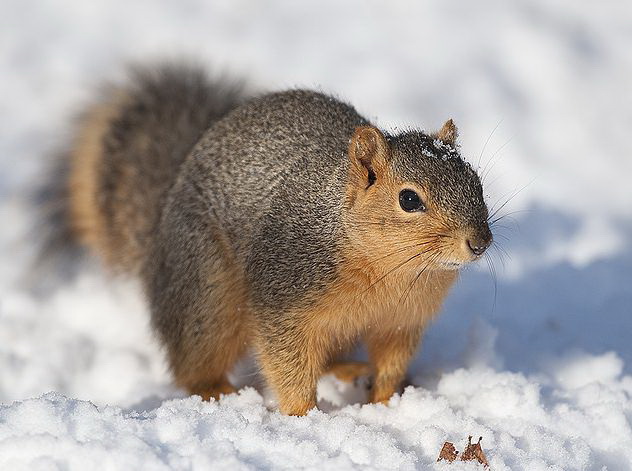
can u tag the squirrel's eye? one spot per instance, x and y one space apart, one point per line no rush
410 201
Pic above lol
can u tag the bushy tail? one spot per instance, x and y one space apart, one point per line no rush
57 254
172 104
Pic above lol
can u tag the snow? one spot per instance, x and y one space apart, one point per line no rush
540 367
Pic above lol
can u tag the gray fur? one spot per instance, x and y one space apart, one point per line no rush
270 177
57 256
451 182
166 111
277 173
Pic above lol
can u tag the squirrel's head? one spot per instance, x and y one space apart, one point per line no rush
412 199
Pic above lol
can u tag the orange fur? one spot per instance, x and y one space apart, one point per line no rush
353 309
349 371
215 390
448 133
86 159
87 153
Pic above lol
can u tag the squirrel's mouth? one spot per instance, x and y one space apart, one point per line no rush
451 264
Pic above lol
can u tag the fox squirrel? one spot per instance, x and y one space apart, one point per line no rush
284 223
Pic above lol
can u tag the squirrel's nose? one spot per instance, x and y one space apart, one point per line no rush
478 245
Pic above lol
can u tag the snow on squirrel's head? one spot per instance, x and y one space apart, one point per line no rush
411 198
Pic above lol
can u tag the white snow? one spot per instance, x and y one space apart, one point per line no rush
542 370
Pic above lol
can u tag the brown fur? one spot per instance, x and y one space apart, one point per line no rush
357 307
86 158
448 133
349 371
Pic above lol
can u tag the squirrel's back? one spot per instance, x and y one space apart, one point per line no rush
127 152
272 174
131 147
287 141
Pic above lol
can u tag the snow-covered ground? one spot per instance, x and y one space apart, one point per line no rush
542 370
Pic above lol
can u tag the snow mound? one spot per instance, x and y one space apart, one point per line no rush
576 427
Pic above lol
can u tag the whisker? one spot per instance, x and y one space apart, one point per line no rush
501 226
437 247
393 269
516 193
498 234
491 161
400 250
509 216
492 272
444 236
431 260
502 253
480 156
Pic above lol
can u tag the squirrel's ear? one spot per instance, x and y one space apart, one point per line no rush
368 151
448 133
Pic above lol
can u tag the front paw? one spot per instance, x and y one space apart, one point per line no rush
298 407
381 392
381 397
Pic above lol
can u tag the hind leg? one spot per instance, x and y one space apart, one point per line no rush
215 340
349 371
205 324
209 360
198 301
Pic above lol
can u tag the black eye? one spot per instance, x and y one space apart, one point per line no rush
410 201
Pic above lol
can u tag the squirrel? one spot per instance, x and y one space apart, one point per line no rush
283 223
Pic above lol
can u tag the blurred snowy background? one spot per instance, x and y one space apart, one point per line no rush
541 93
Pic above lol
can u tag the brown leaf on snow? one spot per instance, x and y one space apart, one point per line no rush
448 452
474 451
